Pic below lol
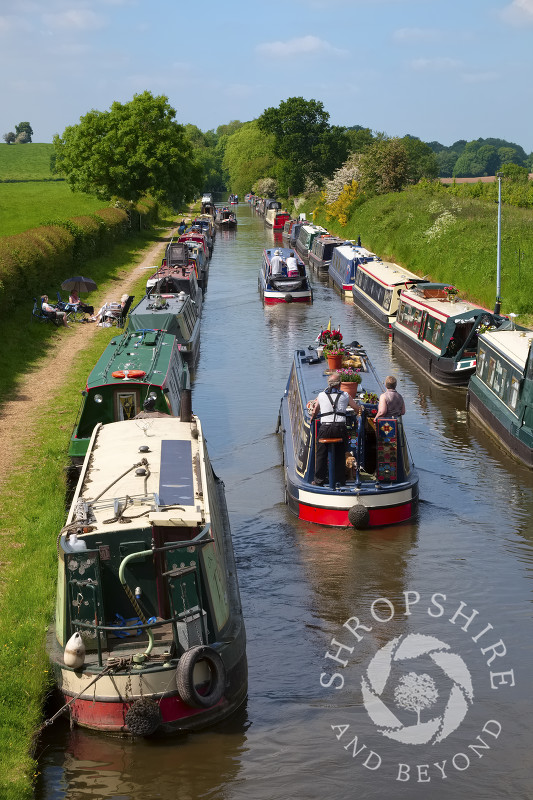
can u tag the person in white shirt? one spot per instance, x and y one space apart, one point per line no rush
276 263
292 265
52 311
330 408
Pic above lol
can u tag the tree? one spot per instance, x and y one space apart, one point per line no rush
24 127
359 138
384 167
9 138
305 144
132 150
422 160
248 156
22 138
415 692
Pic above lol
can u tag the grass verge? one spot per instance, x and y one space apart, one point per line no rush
450 239
32 513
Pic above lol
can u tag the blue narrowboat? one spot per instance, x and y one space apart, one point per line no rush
380 487
344 263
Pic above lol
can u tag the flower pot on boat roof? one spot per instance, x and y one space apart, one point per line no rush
350 380
334 358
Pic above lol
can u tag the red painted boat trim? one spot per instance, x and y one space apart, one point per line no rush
273 300
110 716
389 515
347 287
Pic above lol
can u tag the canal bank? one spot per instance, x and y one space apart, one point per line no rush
36 424
301 583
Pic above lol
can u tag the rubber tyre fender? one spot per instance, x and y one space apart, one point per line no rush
185 680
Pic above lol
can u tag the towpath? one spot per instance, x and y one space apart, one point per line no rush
19 416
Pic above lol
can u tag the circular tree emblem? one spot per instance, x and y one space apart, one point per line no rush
417 692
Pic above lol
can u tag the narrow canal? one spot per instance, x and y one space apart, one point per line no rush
471 549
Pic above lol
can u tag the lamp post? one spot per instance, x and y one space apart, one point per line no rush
498 303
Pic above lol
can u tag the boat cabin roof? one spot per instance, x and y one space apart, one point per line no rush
433 297
512 345
389 274
313 372
172 488
147 350
164 312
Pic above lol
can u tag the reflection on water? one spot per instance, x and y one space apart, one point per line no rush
300 583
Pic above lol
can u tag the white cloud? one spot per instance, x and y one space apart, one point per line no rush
435 64
415 35
74 19
302 46
518 12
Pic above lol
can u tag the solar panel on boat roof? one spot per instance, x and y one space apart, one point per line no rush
175 481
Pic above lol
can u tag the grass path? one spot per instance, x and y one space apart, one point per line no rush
36 419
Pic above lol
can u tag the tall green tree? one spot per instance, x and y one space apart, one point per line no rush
134 149
307 146
24 127
384 166
248 156
422 159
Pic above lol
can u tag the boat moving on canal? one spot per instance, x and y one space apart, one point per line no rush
500 393
149 636
439 332
380 485
289 286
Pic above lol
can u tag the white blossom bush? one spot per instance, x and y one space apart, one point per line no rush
344 176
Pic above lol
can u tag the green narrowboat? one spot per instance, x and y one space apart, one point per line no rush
133 367
148 636
177 312
500 393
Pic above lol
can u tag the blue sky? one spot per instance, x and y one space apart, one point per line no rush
438 69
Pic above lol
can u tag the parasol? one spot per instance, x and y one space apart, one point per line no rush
79 283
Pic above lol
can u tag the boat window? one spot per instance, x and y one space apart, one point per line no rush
481 362
492 368
387 297
513 393
497 378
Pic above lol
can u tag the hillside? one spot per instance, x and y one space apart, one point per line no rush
450 239
25 161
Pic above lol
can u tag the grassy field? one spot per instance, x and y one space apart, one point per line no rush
25 161
27 205
32 512
450 239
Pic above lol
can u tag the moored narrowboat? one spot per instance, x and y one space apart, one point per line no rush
286 232
322 250
439 332
134 367
276 218
306 235
174 312
380 484
377 287
148 636
500 393
344 263
289 286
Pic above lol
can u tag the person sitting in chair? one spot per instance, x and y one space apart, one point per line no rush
54 313
77 304
111 311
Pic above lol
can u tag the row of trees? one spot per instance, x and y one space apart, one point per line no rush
139 148
21 135
479 157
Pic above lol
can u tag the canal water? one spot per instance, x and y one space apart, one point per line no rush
390 662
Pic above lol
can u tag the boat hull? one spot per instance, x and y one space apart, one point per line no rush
491 423
331 508
105 705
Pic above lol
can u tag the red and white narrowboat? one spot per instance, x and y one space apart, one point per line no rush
287 286
380 484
